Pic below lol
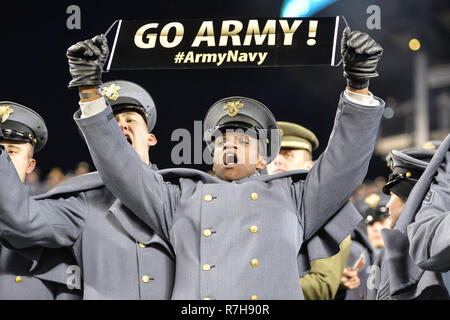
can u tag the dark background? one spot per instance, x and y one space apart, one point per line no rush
34 69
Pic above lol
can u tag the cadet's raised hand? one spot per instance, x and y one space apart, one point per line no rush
86 61
360 54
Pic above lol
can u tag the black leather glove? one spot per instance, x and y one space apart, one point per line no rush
86 61
360 54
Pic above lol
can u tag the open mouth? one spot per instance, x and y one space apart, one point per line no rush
230 159
129 139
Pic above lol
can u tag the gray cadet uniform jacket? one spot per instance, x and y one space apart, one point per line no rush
120 257
238 240
429 234
398 278
360 244
401 278
28 274
325 243
23 278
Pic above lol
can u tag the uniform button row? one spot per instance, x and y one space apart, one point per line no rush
208 233
254 196
254 263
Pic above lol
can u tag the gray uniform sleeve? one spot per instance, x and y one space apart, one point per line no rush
64 293
139 187
341 168
25 222
429 234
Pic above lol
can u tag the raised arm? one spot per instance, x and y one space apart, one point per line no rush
343 165
25 222
429 234
139 187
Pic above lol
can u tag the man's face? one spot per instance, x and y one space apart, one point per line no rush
236 156
21 154
289 160
395 207
136 132
374 232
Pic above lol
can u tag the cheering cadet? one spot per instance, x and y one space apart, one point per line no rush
400 278
26 274
323 279
120 257
429 233
237 235
367 243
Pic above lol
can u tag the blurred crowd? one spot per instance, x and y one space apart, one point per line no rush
369 187
40 184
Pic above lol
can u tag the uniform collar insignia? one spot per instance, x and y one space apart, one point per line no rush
111 92
5 112
233 107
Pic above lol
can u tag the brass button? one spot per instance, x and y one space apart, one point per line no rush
253 229
208 198
206 267
255 263
207 233
142 245
254 298
19 279
146 279
254 196
207 299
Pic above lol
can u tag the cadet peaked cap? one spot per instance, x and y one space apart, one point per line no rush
19 123
294 136
246 114
407 166
373 207
126 95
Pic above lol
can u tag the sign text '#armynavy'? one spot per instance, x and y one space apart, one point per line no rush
201 43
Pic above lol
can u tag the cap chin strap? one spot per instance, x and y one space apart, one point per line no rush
14 135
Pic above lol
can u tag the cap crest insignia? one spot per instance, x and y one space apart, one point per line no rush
429 146
5 112
233 108
111 92
373 200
